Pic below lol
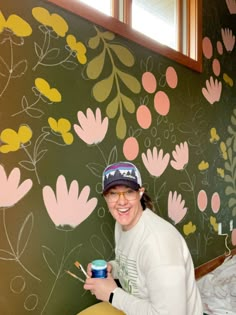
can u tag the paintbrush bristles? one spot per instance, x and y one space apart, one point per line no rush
79 266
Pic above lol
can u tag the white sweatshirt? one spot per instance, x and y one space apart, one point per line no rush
155 269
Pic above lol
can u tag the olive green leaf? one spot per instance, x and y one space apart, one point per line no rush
108 35
94 42
131 82
128 103
121 127
95 66
112 108
102 89
124 55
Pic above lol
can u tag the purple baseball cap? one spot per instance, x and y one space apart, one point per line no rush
121 173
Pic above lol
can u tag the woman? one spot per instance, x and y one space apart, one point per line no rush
153 272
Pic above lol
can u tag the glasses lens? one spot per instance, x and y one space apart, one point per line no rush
129 195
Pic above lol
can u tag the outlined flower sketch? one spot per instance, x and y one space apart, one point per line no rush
61 128
92 128
57 133
155 162
54 27
231 4
212 92
11 192
228 39
78 48
44 93
67 207
176 207
12 30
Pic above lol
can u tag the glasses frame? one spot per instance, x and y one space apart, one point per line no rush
119 193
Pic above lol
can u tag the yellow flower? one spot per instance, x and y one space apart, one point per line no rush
223 150
13 139
214 223
55 21
16 24
78 47
220 172
189 228
62 127
44 88
203 166
214 136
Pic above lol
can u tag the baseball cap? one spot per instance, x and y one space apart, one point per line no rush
121 173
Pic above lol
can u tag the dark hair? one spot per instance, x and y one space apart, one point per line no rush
147 202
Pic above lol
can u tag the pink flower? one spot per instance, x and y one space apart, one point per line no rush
231 6
228 39
66 207
176 209
92 129
212 92
180 156
155 162
11 191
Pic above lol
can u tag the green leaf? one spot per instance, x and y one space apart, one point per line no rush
94 42
34 112
6 255
128 103
108 35
112 108
229 191
40 155
52 53
24 234
95 168
232 202
50 259
95 66
19 69
131 82
102 89
123 54
121 128
69 65
112 158
27 165
38 50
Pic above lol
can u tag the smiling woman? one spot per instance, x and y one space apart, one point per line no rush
181 20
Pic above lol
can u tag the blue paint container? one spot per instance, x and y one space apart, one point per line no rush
99 268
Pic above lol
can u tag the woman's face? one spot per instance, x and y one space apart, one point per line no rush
124 205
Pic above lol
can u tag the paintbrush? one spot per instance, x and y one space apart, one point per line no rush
80 267
74 276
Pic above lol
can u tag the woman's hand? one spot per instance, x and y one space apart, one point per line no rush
101 288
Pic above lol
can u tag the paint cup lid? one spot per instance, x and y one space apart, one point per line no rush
99 264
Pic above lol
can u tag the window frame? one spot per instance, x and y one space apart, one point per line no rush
194 49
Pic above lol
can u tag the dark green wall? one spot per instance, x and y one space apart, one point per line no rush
39 239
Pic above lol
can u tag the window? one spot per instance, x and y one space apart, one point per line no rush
142 20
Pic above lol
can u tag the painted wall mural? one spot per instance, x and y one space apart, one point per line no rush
75 97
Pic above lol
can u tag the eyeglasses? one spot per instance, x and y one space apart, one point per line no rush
113 196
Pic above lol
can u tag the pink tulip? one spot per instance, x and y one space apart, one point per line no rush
68 207
11 190
176 209
155 162
91 129
180 156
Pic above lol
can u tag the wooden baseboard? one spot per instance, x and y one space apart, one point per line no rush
211 265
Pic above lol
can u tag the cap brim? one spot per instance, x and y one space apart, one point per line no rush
130 184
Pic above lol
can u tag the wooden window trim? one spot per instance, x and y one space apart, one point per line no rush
122 29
